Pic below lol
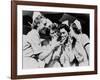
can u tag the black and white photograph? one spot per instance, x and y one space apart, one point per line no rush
53 39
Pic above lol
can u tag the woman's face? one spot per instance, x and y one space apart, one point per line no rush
53 33
72 33
43 23
64 33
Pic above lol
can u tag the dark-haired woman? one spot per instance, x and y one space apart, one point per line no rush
65 42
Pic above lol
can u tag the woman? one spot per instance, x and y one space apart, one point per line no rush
51 46
65 42
32 46
81 45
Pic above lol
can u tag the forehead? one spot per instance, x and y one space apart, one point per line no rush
63 30
43 20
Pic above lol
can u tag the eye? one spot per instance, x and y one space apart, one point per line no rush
63 33
38 23
45 24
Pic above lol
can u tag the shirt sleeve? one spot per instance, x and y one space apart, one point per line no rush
33 39
84 39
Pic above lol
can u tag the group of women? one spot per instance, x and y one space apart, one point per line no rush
49 44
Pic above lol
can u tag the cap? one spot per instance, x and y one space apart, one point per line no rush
78 24
35 15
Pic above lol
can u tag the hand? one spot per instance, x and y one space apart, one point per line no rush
55 43
56 54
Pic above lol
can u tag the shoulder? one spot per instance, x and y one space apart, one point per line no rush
32 33
24 38
84 35
84 39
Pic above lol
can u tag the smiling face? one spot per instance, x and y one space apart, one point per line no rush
64 33
53 33
44 22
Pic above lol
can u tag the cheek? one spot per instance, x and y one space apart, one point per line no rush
66 34
41 25
63 35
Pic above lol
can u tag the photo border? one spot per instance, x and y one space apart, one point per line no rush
14 38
